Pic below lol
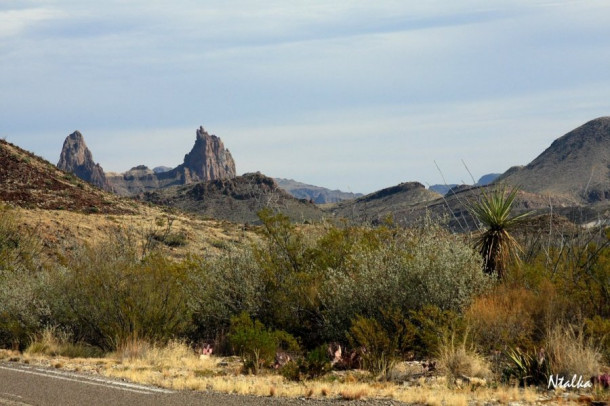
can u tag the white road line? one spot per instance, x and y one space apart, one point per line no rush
90 381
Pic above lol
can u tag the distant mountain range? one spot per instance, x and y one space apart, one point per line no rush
316 194
483 180
571 178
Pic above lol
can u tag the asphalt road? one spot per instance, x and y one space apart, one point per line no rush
27 385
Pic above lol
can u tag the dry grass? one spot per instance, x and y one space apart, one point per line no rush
177 367
55 342
458 362
571 354
62 228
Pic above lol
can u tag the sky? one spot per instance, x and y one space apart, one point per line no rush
353 95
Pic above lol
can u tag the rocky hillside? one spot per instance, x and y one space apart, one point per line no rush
31 182
237 199
316 194
575 166
77 158
375 207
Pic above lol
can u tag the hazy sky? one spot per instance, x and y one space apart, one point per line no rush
356 95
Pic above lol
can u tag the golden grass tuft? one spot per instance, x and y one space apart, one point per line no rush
355 392
571 354
458 361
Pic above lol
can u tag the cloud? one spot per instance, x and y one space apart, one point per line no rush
14 22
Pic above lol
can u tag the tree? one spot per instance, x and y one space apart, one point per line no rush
495 244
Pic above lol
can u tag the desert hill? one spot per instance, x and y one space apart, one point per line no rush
237 199
575 167
31 182
316 194
375 207
65 211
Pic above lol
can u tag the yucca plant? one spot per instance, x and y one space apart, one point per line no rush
496 245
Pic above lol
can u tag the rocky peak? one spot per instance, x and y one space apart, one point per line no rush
208 160
77 158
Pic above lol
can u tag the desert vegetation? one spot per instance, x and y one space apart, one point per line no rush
303 304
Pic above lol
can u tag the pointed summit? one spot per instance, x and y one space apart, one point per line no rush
77 158
208 160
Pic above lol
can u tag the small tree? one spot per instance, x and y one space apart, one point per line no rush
496 245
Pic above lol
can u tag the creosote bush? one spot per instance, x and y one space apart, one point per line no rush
256 344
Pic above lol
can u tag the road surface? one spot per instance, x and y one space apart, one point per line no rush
28 385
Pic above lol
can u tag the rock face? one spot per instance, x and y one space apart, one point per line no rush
77 158
208 160
575 166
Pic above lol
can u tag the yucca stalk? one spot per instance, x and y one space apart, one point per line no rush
496 245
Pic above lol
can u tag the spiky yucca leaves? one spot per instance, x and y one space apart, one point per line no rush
496 245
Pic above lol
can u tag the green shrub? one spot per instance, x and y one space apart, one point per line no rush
255 344
107 293
220 288
378 349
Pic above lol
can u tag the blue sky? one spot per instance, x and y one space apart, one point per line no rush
356 95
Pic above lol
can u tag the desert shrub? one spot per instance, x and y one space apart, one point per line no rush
290 278
23 280
514 316
24 307
578 266
405 270
107 293
317 362
598 330
19 248
256 344
378 348
219 288
427 327
314 364
459 360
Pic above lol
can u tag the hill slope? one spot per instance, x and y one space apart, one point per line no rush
394 201
237 199
31 182
576 166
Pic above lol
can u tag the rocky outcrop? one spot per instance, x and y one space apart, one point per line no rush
238 199
208 160
77 158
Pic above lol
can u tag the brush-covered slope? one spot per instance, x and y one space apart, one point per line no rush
64 212
31 182
396 200
575 166
238 199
